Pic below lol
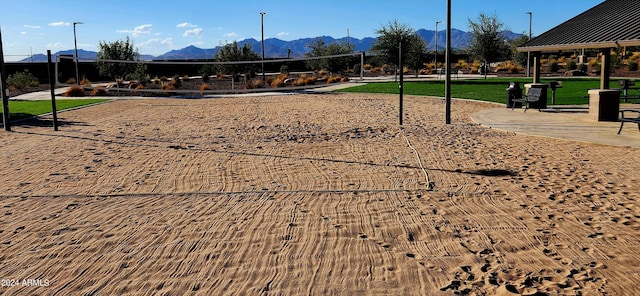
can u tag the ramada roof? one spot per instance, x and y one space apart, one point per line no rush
611 23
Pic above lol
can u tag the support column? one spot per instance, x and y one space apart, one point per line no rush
536 66
605 68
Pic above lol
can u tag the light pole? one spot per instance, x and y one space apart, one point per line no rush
436 53
348 38
75 44
262 24
528 52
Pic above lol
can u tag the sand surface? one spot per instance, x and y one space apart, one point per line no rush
310 195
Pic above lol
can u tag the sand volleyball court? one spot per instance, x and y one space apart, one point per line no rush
310 195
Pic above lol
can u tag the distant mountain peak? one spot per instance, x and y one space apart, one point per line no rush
276 48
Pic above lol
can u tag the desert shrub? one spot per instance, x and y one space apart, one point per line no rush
254 83
310 80
176 81
582 67
168 86
186 77
462 64
279 81
284 69
74 91
85 82
204 87
163 78
268 80
367 67
571 64
300 80
70 81
593 62
633 66
356 68
22 80
344 79
206 71
333 79
99 91
553 66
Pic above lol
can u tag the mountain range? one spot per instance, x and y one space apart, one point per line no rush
276 48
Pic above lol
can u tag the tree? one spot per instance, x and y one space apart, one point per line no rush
519 58
414 48
319 48
487 39
231 52
122 51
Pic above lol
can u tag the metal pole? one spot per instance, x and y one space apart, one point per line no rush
528 52
447 83
435 57
361 65
52 85
401 79
75 44
262 25
5 91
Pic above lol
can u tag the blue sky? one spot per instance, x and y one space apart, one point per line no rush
34 26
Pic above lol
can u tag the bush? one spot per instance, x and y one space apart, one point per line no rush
582 68
254 83
74 91
85 82
333 79
279 81
356 69
99 90
553 66
284 69
571 64
203 87
633 66
22 80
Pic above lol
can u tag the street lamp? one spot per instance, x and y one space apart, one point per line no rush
262 24
75 44
528 52
436 54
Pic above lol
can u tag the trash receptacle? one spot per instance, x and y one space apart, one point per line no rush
514 92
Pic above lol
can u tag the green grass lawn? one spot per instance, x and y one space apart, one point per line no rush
23 109
573 90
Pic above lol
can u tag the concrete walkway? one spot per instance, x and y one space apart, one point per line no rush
570 123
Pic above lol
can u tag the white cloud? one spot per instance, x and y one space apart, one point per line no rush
193 32
31 27
167 42
59 24
138 31
283 34
231 35
54 45
186 25
23 33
